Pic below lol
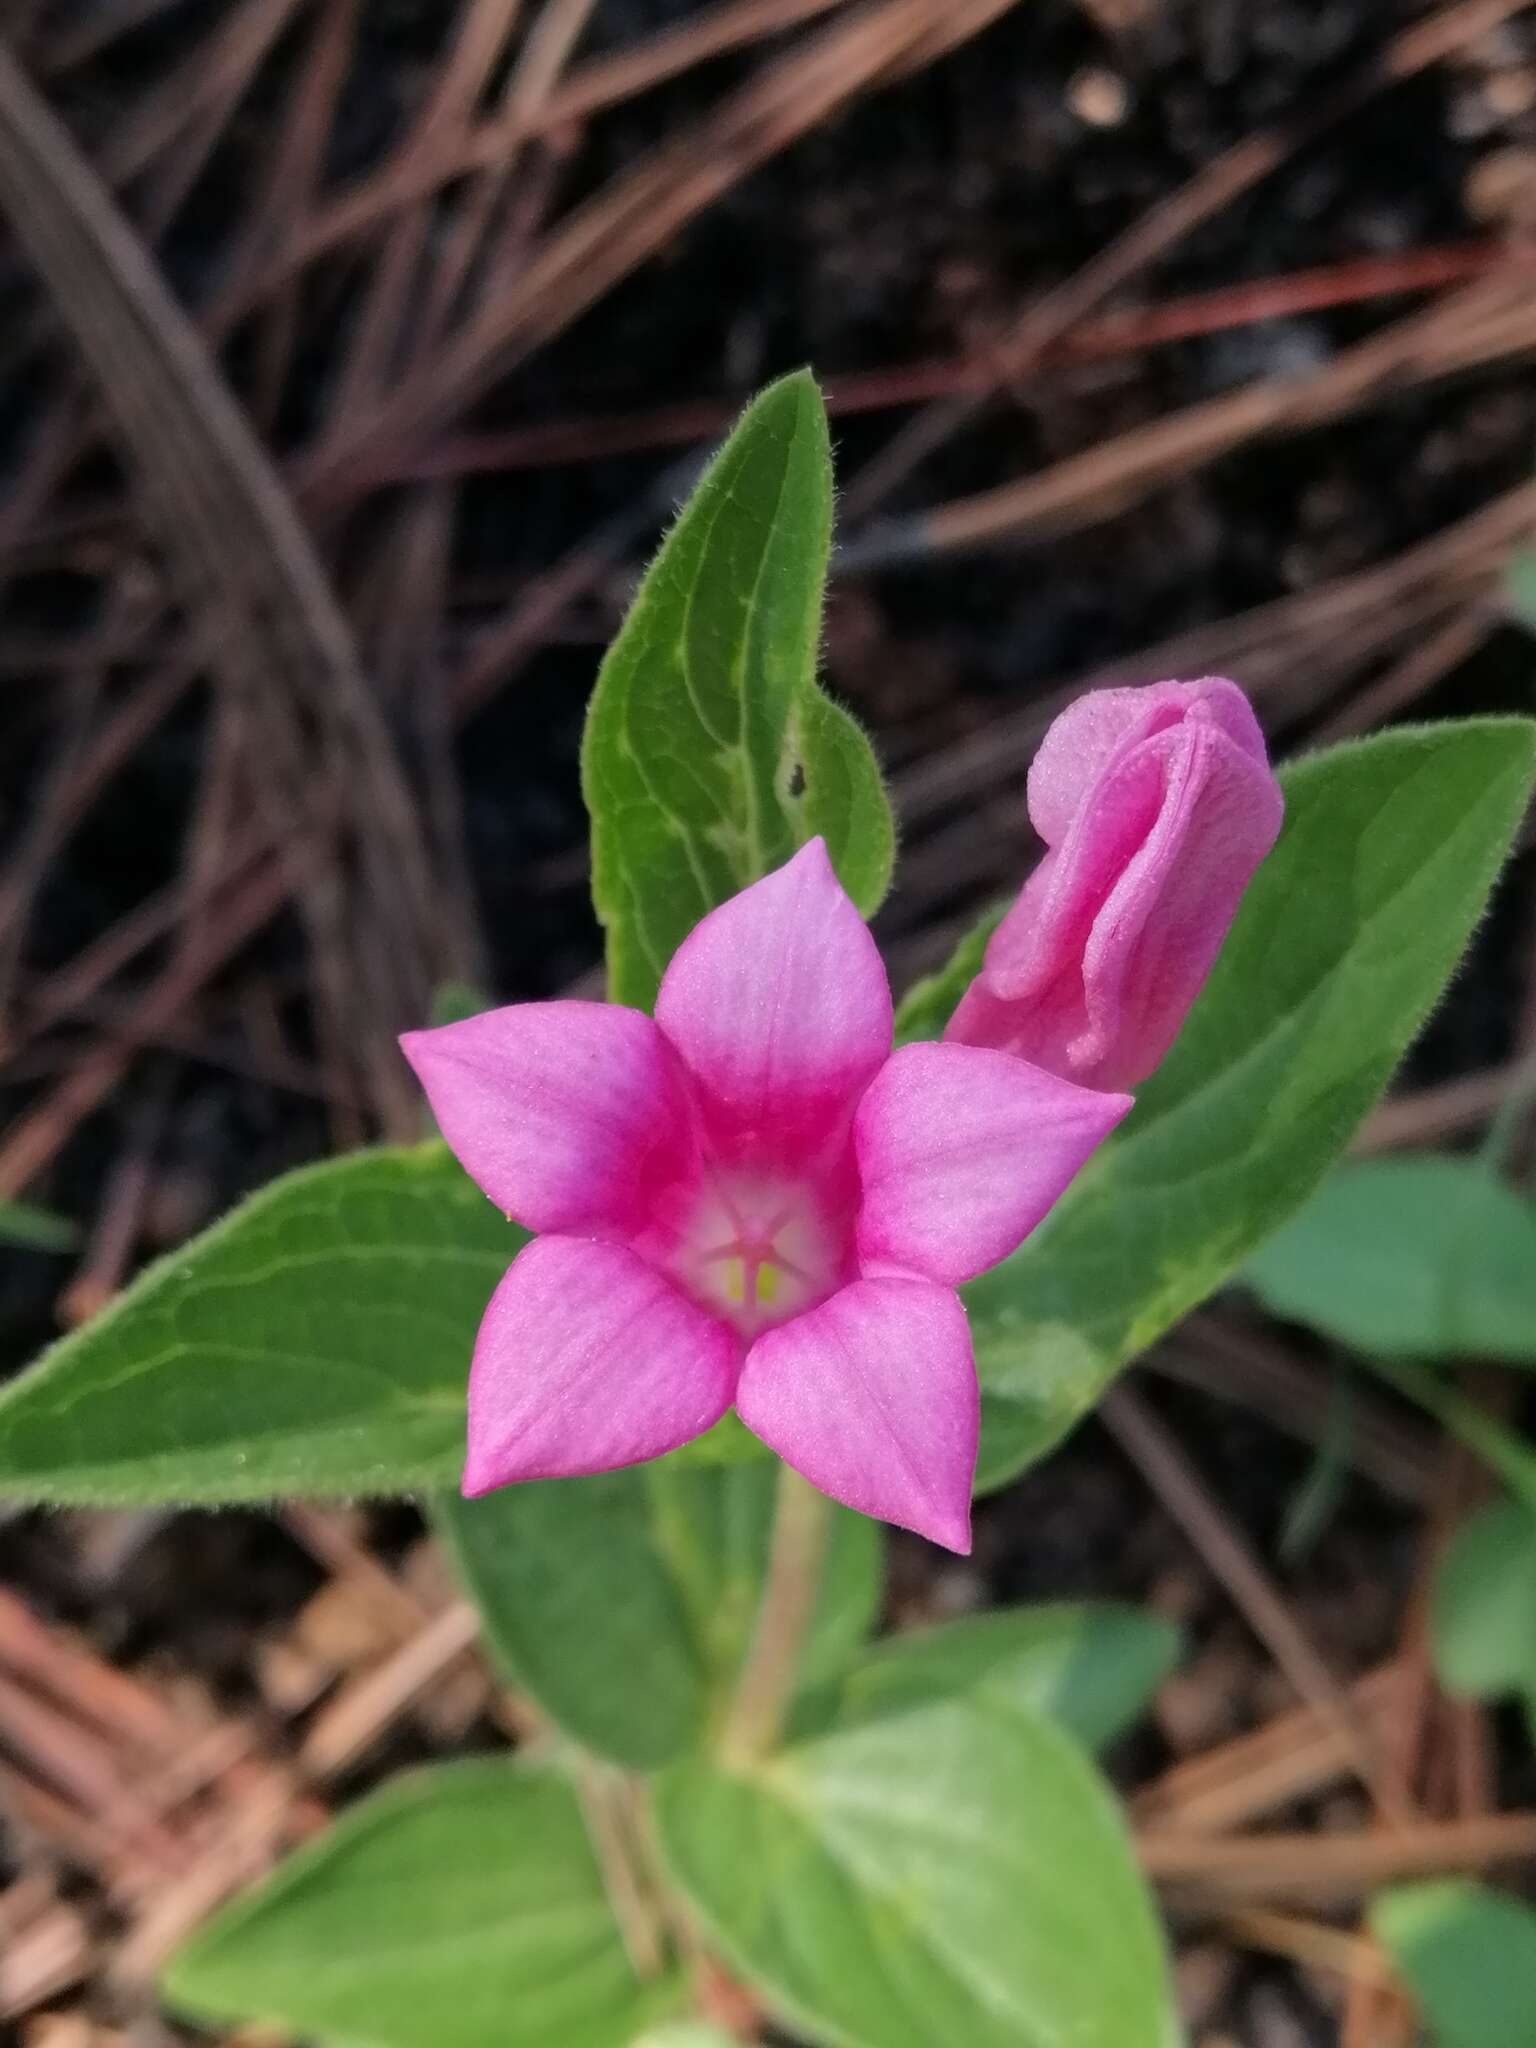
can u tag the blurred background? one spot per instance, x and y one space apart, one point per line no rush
353 356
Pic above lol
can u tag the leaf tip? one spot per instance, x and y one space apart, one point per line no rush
797 396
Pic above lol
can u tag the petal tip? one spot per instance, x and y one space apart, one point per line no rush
421 1051
479 1476
814 859
1117 1107
949 1529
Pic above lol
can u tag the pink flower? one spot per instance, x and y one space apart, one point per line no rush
749 1200
1155 805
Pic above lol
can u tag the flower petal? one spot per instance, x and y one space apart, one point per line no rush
565 1113
1101 724
779 1005
587 1359
961 1151
1156 938
873 1398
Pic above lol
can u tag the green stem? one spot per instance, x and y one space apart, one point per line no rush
796 1552
607 1807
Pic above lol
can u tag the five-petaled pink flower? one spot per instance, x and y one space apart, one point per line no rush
749 1199
1155 805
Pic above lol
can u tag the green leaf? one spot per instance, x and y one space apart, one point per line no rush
1092 1667
1414 1257
39 1230
1502 1449
709 753
316 1341
730 1442
1468 1955
625 1603
956 1874
461 1905
843 798
687 2034
454 1001
1483 1611
929 1004
1347 935
1520 586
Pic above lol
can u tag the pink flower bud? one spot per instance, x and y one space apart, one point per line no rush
1155 805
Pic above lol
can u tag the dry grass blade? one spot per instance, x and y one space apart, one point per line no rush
484 30
1234 1364
1312 1943
554 443
636 214
45 831
361 1712
181 905
297 166
477 49
604 82
212 76
1330 1869
1429 1114
109 1699
1491 320
35 1138
1296 1756
1468 628
1166 1469
247 1844
51 1951
78 40
82 1764
547 48
1377 2016
1160 229
273 630
1263 645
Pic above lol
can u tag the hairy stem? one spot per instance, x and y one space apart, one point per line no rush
796 1553
606 1803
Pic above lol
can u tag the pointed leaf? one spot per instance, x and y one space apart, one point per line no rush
1483 1611
843 798
316 1341
1090 1667
1468 1955
958 1873
709 755
461 1905
1347 935
1414 1257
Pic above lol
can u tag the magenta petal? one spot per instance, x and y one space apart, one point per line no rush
779 1005
562 1112
873 1398
961 1151
1082 742
587 1359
